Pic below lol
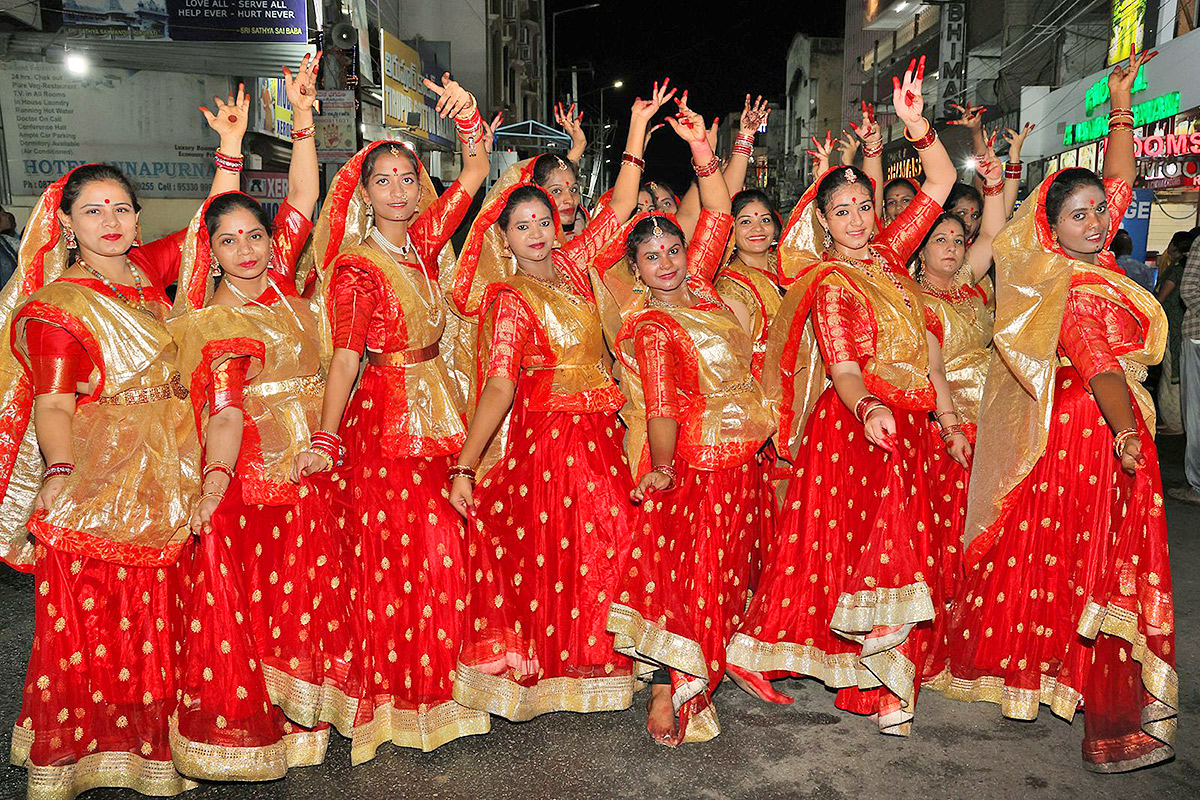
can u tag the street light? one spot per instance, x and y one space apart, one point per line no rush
554 51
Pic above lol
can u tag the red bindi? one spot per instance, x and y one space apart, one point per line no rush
107 201
239 230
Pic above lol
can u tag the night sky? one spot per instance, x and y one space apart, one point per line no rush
719 56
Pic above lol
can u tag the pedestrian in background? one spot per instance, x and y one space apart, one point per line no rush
1170 416
1189 374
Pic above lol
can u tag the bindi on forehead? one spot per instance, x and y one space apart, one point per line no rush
239 230
107 201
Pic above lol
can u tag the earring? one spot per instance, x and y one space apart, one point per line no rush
827 241
215 270
370 215
639 286
69 236
1054 236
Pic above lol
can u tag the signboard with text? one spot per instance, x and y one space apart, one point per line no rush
337 141
407 103
952 58
270 189
272 109
187 20
1128 28
144 122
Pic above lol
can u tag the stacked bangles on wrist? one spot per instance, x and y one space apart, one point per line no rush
873 149
300 134
669 471
328 445
461 471
58 469
743 145
470 128
950 431
1120 119
867 406
1013 170
992 189
710 168
925 140
630 158
216 466
229 163
1121 438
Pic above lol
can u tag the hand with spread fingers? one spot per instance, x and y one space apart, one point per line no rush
821 155
906 93
489 132
847 147
572 123
644 110
1120 80
1017 140
231 116
969 116
301 87
754 115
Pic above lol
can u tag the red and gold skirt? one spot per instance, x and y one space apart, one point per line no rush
844 595
408 573
947 481
554 518
1067 599
683 587
268 624
102 677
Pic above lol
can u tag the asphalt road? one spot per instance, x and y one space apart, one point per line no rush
807 750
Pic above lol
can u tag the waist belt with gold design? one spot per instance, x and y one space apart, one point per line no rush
149 394
301 384
404 358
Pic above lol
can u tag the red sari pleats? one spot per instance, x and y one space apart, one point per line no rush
844 594
1067 599
102 677
267 616
409 582
553 518
682 590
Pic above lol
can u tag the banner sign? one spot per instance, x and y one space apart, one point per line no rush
1128 28
952 59
187 20
270 189
405 94
54 121
1137 221
337 141
272 109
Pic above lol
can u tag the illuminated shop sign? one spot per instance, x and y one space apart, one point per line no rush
1145 112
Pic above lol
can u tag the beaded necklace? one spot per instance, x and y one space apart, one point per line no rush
876 266
138 285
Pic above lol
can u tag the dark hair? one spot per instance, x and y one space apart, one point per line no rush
1182 241
546 163
963 191
1122 243
644 230
523 194
230 202
390 148
945 216
748 196
90 173
836 180
894 182
1066 184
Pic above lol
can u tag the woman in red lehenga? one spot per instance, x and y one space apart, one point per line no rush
954 285
382 237
844 593
268 606
551 513
703 491
1068 598
92 357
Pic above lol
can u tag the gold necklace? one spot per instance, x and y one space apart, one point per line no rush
138 285
956 296
876 264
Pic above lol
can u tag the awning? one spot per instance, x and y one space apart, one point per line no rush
532 132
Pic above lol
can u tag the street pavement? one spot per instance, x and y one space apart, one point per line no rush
808 750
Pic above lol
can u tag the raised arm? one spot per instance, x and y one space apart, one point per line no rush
994 214
1012 171
688 213
714 194
940 174
1118 155
971 118
625 191
871 136
754 116
229 121
456 102
572 123
821 155
304 179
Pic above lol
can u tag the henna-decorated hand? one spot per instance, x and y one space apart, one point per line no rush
869 131
1017 140
822 153
301 88
754 116
906 94
970 117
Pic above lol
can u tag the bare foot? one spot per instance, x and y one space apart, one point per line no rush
754 683
661 723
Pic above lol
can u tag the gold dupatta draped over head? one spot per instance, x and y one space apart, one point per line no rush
1034 276
801 244
42 258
